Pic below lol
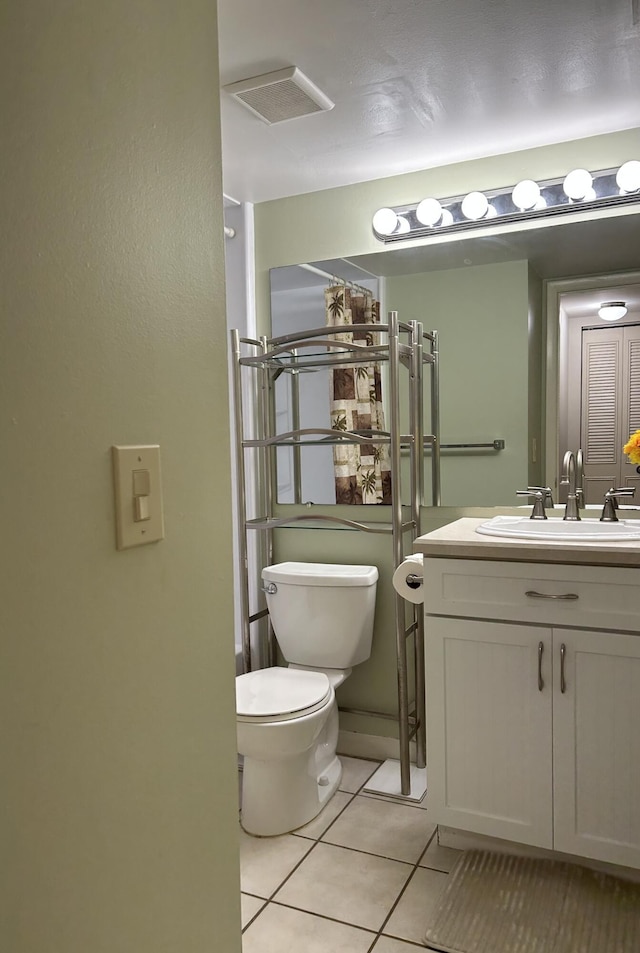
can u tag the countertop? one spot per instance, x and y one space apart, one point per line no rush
458 540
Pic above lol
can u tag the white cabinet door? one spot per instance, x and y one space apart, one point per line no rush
597 746
489 744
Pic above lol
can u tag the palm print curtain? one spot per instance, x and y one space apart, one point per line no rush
362 474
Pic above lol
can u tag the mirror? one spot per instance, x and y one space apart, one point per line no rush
486 297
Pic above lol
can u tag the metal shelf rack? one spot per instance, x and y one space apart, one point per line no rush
407 346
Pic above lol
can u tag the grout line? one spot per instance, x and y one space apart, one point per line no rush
429 842
397 901
339 814
325 916
291 872
367 853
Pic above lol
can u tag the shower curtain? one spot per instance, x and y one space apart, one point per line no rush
362 474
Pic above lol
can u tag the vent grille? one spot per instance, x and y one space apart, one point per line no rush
279 96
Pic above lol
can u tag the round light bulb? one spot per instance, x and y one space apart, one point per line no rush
589 195
403 225
612 310
525 194
628 176
474 205
447 218
491 211
429 212
540 204
385 221
577 183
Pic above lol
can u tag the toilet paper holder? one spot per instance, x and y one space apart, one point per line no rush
413 581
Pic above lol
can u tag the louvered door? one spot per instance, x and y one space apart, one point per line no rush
610 407
630 472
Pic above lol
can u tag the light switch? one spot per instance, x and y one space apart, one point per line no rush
141 494
138 495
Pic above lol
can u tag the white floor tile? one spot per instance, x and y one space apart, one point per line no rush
397 831
282 930
319 824
386 944
347 885
266 861
355 771
410 919
439 858
250 906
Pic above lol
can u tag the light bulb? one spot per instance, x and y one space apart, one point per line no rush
589 195
474 205
403 225
491 211
612 310
525 194
540 204
429 212
577 183
385 221
447 218
628 176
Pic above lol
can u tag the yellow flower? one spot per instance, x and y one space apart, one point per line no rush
632 448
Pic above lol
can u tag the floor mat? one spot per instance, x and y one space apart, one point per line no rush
499 903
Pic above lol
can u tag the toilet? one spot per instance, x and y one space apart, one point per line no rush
287 718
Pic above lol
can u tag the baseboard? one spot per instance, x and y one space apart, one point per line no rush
355 744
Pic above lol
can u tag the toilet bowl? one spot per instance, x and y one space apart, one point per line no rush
287 718
290 765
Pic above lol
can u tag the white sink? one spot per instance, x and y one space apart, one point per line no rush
585 530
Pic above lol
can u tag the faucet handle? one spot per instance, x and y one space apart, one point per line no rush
611 497
547 494
538 512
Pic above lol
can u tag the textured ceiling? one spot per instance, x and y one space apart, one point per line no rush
422 83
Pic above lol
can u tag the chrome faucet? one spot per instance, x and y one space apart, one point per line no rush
569 479
609 514
543 500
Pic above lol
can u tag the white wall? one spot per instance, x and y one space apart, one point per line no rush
119 786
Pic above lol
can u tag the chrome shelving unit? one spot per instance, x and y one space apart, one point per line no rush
407 348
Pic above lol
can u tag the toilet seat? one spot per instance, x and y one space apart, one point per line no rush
280 694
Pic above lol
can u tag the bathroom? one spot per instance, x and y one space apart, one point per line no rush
120 797
466 293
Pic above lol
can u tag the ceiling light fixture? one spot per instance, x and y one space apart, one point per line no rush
612 310
628 176
575 192
474 205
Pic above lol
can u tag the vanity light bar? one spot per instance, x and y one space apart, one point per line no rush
578 191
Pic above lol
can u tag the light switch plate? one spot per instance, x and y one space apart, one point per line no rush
129 531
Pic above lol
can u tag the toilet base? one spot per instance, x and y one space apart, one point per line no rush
279 797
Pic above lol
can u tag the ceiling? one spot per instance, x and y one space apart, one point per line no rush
421 83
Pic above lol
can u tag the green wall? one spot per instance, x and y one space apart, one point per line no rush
336 223
119 776
483 343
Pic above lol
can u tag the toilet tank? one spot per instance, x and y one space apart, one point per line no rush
322 613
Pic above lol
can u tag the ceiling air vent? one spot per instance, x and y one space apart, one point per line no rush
285 94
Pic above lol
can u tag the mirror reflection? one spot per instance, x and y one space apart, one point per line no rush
486 296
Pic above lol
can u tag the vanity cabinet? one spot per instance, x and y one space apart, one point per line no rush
533 704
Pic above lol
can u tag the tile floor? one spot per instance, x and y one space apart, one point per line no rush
362 877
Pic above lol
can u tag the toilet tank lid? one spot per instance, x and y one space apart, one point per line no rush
320 574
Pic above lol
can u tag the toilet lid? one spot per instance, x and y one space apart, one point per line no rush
277 691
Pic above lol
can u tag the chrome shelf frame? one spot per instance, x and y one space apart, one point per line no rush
407 346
